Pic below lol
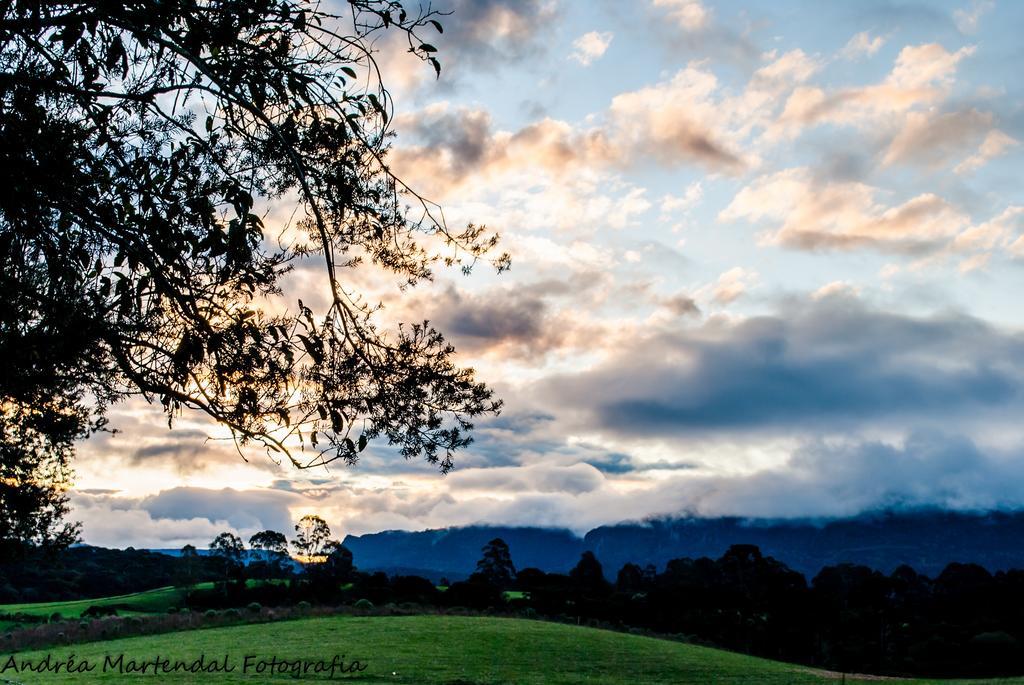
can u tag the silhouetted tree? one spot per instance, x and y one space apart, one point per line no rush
311 534
138 141
230 549
630 578
495 566
337 564
588 574
275 546
188 566
269 541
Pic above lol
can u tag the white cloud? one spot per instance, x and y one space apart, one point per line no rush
690 198
967 20
689 15
996 144
731 285
922 76
590 46
862 45
812 215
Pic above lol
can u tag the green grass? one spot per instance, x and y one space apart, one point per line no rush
156 601
150 601
441 650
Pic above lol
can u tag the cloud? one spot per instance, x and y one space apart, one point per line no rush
479 35
690 198
244 510
573 479
836 289
590 46
812 215
861 45
485 33
845 478
681 304
967 20
732 285
995 144
922 75
179 516
819 365
932 140
689 15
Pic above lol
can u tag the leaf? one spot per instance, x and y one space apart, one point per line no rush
437 25
350 71
362 442
427 47
437 66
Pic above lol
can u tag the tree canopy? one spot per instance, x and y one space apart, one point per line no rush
495 565
140 143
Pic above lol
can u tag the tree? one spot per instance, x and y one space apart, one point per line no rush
187 567
139 142
337 564
270 541
230 549
588 574
311 535
495 566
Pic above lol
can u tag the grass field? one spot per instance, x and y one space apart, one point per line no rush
150 601
437 650
156 601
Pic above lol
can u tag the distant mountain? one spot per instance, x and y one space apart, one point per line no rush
925 540
453 552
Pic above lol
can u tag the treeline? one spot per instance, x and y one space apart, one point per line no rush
84 572
964 621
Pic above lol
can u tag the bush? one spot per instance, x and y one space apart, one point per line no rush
254 607
233 614
529 612
172 610
135 622
56 617
363 605
303 606
210 613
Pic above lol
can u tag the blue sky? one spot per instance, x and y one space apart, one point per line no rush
766 262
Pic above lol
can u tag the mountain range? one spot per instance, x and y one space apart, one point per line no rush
926 540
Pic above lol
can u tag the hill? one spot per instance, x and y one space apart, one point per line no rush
434 650
925 540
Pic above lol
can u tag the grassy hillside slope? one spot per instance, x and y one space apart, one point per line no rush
157 600
448 650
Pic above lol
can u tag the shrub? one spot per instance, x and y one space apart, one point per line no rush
211 613
233 614
529 612
172 610
55 617
303 606
254 607
363 605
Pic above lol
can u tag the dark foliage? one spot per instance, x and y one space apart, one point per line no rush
86 572
137 140
964 622
495 566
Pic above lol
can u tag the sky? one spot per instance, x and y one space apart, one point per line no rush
766 262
